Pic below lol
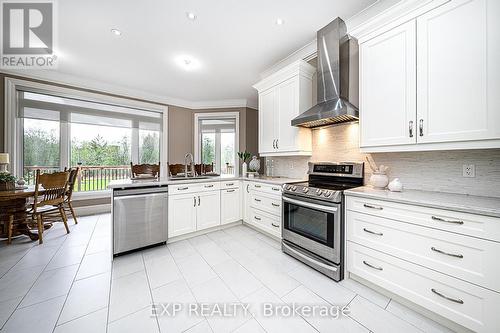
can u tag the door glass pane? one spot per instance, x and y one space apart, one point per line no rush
308 222
149 146
102 152
40 147
228 153
208 148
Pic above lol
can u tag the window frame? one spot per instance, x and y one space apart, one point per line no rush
14 126
217 115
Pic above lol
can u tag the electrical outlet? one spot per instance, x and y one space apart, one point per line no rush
469 170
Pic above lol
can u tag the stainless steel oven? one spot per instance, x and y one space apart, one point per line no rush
313 216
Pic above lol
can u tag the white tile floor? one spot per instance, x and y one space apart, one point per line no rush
69 284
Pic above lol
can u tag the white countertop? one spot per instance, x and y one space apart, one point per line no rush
489 206
129 183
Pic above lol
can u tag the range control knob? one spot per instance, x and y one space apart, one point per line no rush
320 192
289 187
294 188
328 194
305 189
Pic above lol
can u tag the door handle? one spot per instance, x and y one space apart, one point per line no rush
447 253
410 129
277 147
275 205
208 186
182 188
257 186
435 218
373 232
372 207
372 266
275 225
421 127
194 201
276 188
199 200
229 191
456 300
229 184
247 188
257 218
274 145
257 200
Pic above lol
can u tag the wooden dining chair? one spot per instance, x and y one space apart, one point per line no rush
68 198
152 170
174 169
203 168
48 201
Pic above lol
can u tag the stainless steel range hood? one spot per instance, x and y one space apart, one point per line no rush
337 63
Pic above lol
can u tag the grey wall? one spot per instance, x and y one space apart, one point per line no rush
433 171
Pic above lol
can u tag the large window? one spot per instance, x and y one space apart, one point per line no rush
101 139
217 141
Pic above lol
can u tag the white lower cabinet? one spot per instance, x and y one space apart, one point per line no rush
439 259
181 214
262 204
208 211
230 205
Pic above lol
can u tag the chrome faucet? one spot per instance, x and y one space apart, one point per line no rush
190 157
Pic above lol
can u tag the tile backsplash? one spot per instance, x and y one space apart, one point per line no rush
433 171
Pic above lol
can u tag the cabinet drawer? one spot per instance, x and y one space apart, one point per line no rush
193 188
480 226
468 258
265 221
265 188
269 204
229 184
466 304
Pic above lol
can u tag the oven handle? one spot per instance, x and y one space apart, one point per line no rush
310 205
330 268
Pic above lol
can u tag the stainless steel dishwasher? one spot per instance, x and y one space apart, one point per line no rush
139 218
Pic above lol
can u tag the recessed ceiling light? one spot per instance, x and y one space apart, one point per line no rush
116 32
191 16
187 62
279 21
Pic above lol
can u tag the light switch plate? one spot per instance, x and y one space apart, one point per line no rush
469 171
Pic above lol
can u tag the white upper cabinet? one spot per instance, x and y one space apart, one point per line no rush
388 79
430 79
458 73
283 96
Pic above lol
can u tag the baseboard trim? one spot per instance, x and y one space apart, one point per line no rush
92 210
202 232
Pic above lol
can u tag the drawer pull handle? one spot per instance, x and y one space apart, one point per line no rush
230 191
194 201
258 200
276 189
446 253
373 232
456 300
372 266
182 188
208 186
275 205
257 186
275 225
372 207
257 218
435 218
229 184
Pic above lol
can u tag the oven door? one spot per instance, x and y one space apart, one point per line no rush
313 225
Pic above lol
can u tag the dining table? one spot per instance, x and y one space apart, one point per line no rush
15 203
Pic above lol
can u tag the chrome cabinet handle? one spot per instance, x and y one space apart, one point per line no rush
421 127
257 218
248 185
372 207
257 186
410 129
440 219
274 145
182 188
277 147
199 200
371 266
257 200
276 188
229 184
230 191
275 205
373 232
456 300
194 201
208 186
275 225
446 253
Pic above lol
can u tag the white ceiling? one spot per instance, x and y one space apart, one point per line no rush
234 41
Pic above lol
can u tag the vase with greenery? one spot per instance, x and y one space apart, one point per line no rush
7 181
244 156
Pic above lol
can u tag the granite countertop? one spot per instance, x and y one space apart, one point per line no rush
488 206
129 183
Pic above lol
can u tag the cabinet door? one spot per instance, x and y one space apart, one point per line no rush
267 115
230 205
388 88
208 210
181 214
288 108
458 72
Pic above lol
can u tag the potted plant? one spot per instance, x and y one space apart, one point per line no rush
244 156
7 181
